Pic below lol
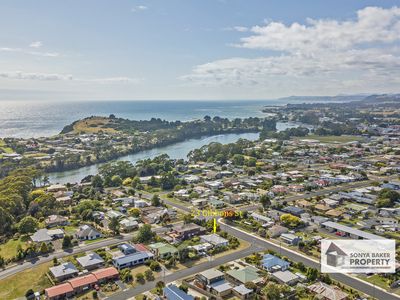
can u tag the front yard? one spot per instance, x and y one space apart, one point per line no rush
17 285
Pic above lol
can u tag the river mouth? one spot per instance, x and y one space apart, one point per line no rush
175 151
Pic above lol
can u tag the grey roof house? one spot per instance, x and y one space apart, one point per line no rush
90 261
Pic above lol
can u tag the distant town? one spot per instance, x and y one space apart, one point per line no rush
243 220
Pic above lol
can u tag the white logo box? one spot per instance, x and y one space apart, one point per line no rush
358 256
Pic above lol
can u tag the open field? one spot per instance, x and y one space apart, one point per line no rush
93 125
9 249
17 285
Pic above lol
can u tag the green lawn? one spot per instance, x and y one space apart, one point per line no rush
332 138
17 285
9 249
95 241
4 148
377 280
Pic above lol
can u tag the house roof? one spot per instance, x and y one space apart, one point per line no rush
245 275
163 248
212 273
221 286
122 260
83 280
354 231
41 236
242 290
90 260
285 276
172 292
214 239
87 230
64 269
327 291
270 261
59 290
105 273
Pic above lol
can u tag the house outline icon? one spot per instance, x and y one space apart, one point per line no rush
335 256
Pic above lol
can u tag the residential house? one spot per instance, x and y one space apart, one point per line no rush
64 271
56 220
130 260
277 230
172 292
210 277
349 231
285 277
272 263
83 283
87 232
242 292
163 251
183 231
290 239
246 274
215 240
327 292
128 224
294 210
90 261
106 274
58 292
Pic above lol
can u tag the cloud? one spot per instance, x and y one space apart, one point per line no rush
35 76
36 44
323 50
236 28
18 75
29 52
139 8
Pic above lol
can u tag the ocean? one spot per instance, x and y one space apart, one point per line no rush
35 119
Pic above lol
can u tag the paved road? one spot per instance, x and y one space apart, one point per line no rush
61 253
257 245
297 257
186 272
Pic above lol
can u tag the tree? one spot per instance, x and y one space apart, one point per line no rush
125 275
67 242
27 225
145 234
114 225
188 218
44 248
97 181
149 275
116 180
155 200
265 201
250 285
140 277
272 291
154 265
134 212
2 261
290 220
30 294
312 274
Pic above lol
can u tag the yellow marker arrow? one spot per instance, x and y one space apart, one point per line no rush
215 225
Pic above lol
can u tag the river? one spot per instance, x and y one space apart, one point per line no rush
175 151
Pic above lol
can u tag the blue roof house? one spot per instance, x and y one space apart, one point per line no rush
172 292
272 263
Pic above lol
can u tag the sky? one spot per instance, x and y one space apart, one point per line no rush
197 50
